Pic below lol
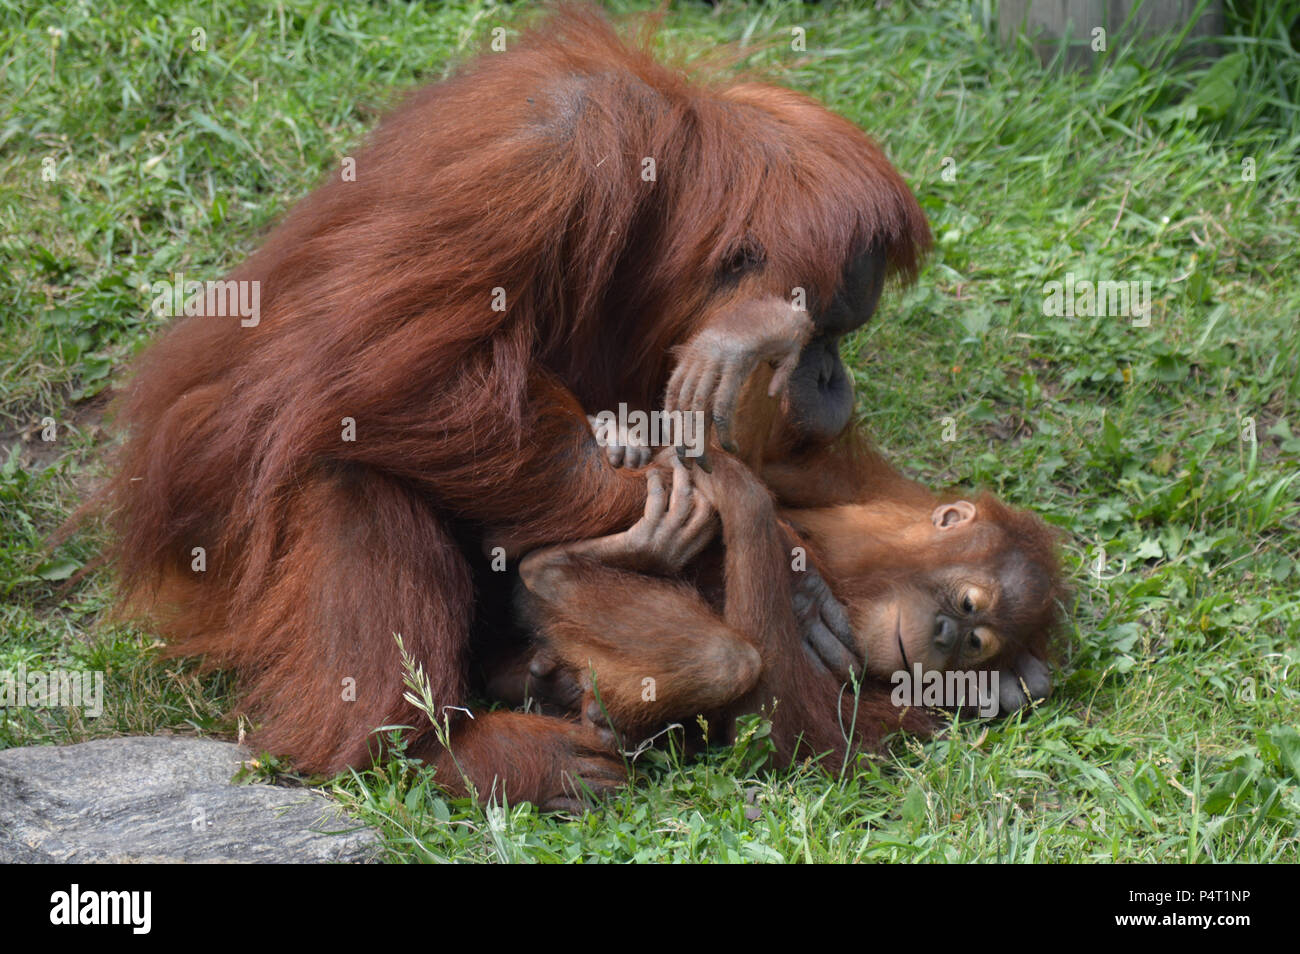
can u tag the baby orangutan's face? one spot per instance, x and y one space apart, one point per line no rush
959 617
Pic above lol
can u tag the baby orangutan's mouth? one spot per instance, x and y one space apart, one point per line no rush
898 635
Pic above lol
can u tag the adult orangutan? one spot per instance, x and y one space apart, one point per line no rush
541 233
635 631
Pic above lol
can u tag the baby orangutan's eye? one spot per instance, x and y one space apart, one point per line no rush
974 599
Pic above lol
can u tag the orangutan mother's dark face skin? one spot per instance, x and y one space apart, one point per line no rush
757 322
819 396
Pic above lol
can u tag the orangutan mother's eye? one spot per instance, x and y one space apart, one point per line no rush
745 256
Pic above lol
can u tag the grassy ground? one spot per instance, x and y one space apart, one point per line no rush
1167 452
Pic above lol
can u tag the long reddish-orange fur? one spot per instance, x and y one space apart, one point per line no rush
521 172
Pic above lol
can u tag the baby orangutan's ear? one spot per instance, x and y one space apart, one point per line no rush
951 515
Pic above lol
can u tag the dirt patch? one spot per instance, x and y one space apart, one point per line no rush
81 425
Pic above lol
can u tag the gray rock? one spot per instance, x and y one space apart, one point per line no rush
162 799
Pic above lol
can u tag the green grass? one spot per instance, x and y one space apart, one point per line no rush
1172 448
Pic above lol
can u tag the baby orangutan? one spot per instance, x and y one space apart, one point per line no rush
654 625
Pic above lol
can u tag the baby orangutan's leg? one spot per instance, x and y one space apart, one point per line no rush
647 649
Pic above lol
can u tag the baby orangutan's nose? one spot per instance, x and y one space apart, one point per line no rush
947 634
953 641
